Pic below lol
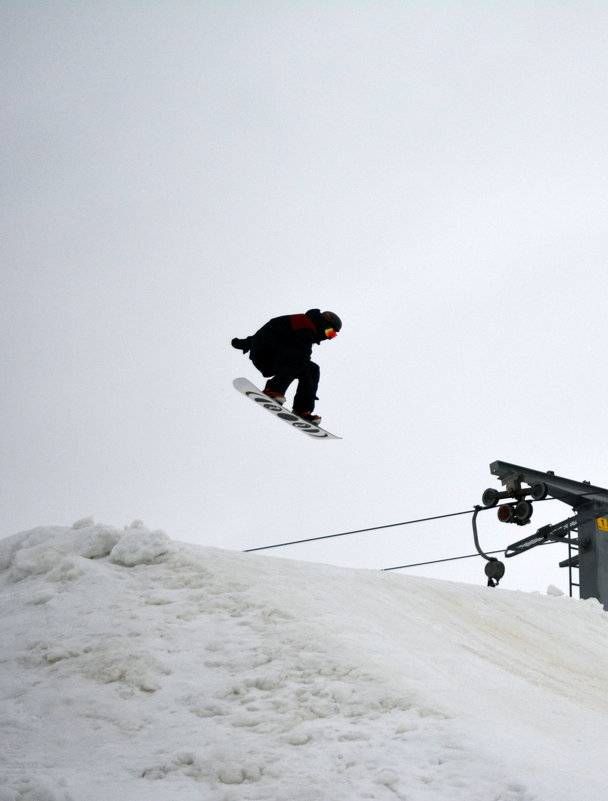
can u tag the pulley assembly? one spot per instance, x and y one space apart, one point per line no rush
518 511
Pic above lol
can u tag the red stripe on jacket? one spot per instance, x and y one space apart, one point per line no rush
300 321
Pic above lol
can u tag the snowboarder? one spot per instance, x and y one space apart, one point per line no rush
281 351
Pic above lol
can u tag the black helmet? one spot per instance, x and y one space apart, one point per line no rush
333 321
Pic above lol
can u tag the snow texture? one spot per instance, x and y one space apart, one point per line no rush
137 667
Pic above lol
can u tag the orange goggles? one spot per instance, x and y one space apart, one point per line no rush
330 333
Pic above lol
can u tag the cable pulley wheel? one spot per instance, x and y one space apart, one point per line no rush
495 570
490 497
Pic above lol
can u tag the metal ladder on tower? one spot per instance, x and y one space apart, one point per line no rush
572 562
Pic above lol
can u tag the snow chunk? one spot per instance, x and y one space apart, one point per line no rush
140 547
84 522
97 542
36 560
555 591
234 774
43 550
27 539
299 738
130 667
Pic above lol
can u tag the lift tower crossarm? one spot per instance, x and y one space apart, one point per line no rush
590 504
574 493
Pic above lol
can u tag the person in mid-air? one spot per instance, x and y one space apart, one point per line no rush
281 351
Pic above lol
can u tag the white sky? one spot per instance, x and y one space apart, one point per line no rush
175 174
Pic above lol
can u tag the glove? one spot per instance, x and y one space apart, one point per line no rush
242 344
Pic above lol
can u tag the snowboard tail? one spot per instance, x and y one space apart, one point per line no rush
250 391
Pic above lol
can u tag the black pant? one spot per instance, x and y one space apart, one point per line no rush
285 365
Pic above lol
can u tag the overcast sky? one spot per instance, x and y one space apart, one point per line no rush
176 173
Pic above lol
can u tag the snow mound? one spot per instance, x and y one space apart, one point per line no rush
147 669
43 550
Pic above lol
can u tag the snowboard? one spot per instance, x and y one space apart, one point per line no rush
257 396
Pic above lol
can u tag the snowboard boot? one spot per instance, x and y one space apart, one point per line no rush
309 417
276 396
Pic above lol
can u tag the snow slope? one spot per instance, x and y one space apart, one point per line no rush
140 668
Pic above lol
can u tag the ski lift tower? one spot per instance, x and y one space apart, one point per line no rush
590 504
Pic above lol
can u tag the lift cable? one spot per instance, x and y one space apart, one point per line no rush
450 559
358 531
438 561
475 511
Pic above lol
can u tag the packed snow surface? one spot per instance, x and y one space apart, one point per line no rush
135 667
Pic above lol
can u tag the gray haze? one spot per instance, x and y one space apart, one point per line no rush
175 174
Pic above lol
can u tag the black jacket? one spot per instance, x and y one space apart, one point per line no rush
299 331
